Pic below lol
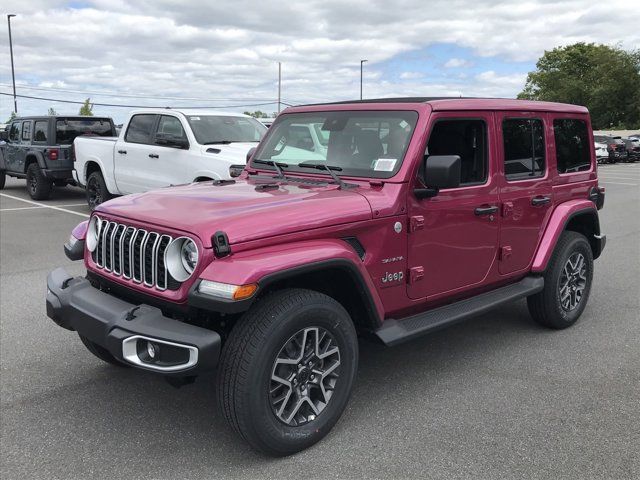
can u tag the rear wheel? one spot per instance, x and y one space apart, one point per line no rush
287 371
101 352
567 283
38 186
96 190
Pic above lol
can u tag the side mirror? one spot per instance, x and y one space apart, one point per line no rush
250 153
4 135
439 171
168 140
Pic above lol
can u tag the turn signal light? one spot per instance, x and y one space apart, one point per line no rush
226 290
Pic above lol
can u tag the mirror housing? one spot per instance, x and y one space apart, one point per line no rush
168 140
250 153
4 135
439 171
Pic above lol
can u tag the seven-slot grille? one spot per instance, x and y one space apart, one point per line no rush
133 253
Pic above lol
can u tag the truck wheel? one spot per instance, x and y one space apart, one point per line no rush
287 370
3 179
96 190
38 186
567 283
100 352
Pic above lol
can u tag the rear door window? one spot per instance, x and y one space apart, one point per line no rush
140 128
40 131
573 149
67 129
523 140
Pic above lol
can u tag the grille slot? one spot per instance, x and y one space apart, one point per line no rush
134 254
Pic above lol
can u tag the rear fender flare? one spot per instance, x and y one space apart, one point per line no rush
39 159
560 218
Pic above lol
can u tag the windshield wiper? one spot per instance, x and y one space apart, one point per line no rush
277 165
328 168
227 142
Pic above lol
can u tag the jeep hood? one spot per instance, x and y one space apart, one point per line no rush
243 210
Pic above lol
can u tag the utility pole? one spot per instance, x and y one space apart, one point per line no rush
361 63
13 74
279 84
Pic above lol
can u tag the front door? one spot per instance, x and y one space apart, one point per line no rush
525 186
12 147
453 236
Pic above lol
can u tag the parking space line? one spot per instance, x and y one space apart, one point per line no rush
620 183
42 205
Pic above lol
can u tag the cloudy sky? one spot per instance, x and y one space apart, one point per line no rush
223 53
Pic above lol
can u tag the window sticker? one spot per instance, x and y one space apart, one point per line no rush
385 164
403 124
194 118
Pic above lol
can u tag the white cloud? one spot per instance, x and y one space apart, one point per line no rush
457 63
229 49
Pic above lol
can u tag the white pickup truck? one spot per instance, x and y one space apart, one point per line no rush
162 147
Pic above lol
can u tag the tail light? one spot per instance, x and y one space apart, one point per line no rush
52 153
612 145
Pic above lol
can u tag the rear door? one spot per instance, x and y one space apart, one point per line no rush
135 167
525 186
454 236
12 147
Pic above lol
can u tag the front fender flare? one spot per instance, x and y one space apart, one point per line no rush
271 264
556 225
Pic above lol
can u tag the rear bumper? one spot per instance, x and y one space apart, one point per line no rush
74 304
64 174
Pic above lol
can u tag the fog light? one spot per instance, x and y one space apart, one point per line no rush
152 350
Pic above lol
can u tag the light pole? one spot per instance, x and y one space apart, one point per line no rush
279 85
13 74
362 62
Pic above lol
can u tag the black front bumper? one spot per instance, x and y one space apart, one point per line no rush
74 304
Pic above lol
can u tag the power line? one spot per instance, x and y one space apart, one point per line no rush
140 106
130 95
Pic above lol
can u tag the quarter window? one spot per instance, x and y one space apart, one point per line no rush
573 150
40 131
468 140
523 148
26 131
140 129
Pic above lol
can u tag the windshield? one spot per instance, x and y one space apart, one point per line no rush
209 129
361 143
68 129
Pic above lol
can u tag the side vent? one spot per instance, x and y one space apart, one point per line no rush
357 246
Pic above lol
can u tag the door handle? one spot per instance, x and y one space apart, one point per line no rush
122 152
540 200
486 210
153 155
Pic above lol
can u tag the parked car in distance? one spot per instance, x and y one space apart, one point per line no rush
632 146
406 225
602 153
615 147
40 149
162 147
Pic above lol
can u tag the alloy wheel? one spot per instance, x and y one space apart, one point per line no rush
304 376
573 281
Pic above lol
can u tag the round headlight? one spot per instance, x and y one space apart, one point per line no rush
92 233
181 258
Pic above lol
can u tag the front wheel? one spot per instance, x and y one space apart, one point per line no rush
287 370
96 190
567 283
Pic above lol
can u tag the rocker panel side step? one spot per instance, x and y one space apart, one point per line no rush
394 332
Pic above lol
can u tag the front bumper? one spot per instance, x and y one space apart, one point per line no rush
74 304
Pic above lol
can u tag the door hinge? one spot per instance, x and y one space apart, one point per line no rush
416 274
416 223
507 209
505 252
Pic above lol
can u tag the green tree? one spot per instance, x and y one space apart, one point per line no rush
257 114
11 117
52 112
604 79
86 110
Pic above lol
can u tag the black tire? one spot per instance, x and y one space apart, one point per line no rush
245 385
550 306
38 186
3 179
96 190
101 352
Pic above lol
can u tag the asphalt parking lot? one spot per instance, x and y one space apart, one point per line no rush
496 397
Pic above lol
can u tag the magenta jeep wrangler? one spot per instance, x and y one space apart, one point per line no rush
389 218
